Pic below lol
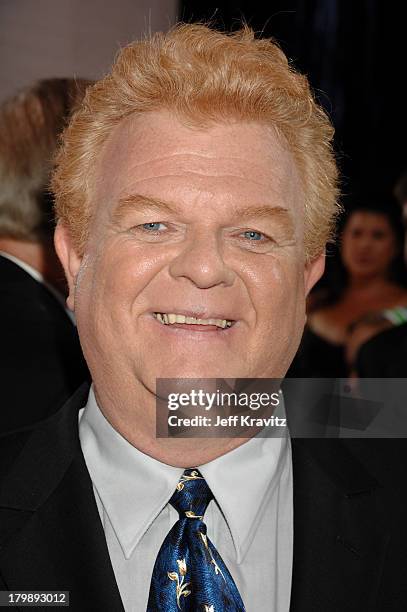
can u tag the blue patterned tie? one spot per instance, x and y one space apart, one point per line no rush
189 574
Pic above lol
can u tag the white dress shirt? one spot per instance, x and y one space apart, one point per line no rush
250 523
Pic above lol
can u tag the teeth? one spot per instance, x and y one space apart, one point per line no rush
171 318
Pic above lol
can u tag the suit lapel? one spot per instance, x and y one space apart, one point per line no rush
51 536
340 535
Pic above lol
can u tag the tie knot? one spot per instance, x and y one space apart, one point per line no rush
192 495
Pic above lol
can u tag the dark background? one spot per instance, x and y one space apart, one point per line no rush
354 54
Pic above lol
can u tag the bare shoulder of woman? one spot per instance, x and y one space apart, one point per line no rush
403 296
325 320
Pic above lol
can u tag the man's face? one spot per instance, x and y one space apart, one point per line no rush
205 223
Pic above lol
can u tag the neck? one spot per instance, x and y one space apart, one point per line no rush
39 255
139 429
370 284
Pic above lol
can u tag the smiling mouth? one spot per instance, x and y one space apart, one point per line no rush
169 318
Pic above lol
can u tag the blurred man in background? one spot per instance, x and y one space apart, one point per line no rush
41 362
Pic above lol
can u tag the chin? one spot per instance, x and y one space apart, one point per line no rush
200 372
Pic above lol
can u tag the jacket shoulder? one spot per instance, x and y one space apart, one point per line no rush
11 446
29 450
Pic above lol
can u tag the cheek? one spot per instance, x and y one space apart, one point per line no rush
280 295
384 252
106 287
391 250
281 320
346 248
122 274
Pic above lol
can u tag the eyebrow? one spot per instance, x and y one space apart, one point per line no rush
129 203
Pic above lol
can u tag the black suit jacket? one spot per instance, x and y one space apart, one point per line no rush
384 355
41 362
350 535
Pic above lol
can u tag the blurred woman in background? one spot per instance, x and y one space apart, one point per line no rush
368 294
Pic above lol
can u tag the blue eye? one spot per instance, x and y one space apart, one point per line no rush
152 226
252 235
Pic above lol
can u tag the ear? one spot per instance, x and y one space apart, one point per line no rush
69 259
313 272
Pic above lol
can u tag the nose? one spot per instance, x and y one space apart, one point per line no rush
201 262
366 242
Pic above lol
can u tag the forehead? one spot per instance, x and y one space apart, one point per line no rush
235 161
368 220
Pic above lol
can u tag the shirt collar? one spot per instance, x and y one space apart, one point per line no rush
242 482
24 266
119 472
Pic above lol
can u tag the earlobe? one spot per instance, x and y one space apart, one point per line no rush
69 259
313 272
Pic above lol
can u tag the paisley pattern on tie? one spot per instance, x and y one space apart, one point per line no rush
189 574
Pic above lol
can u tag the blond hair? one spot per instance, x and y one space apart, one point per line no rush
202 76
30 123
